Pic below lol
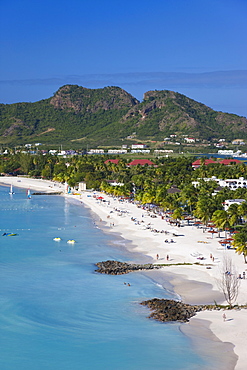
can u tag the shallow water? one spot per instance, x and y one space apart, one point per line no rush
57 313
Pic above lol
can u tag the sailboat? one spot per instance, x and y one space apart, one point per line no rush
11 189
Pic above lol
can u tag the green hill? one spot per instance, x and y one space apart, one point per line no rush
109 115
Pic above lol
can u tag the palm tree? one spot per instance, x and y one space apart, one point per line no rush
234 214
221 219
240 244
242 208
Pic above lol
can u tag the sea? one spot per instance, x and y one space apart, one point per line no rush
58 313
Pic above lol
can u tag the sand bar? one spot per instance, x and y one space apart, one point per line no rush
195 284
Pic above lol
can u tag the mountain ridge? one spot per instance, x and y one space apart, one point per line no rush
110 115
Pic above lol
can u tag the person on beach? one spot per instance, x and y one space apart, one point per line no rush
167 257
157 256
224 316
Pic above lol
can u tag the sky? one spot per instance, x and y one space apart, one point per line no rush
194 47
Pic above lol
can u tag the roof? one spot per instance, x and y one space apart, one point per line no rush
207 161
229 161
112 161
142 162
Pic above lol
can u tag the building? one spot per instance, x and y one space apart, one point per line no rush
115 161
232 184
141 162
138 146
82 186
189 140
198 163
229 202
96 151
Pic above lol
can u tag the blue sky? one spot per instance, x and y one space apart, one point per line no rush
195 47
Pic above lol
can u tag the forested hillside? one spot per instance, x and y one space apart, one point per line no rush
110 115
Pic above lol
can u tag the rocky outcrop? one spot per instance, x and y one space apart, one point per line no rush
84 100
120 268
170 310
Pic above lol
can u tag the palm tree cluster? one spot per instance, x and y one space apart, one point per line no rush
148 184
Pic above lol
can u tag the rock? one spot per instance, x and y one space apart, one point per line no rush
170 310
120 268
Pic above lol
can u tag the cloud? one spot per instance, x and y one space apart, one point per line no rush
155 80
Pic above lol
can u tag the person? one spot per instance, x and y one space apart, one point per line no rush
224 316
157 256
167 257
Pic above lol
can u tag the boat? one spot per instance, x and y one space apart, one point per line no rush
9 234
28 194
57 239
71 241
11 189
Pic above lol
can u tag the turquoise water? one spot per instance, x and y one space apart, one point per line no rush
57 313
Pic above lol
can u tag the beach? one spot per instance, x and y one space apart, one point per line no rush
196 284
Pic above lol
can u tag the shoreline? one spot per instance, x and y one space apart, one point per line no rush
194 284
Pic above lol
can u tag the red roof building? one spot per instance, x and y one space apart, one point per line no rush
112 161
227 162
141 162
198 163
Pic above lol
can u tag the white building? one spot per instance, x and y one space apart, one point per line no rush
138 146
229 202
96 151
117 151
232 184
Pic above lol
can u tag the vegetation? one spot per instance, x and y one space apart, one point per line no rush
110 115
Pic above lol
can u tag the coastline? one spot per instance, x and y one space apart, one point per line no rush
194 283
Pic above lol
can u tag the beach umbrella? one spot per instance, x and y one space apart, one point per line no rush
235 232
212 232
100 198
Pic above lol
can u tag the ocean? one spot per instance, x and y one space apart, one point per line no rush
56 312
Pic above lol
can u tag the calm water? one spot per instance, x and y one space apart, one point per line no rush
57 313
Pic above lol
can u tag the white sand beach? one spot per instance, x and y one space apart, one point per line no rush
195 284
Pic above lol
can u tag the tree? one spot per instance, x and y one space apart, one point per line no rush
221 219
240 243
228 282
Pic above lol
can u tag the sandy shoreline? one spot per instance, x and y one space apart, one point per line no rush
194 284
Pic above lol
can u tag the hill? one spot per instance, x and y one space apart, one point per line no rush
109 115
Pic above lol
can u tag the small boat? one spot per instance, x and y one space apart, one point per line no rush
28 194
11 190
57 239
9 234
71 241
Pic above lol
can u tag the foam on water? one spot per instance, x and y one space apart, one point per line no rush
56 312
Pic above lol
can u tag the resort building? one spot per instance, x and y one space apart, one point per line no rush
232 184
229 202
141 162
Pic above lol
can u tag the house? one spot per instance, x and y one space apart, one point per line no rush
141 162
238 142
190 139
